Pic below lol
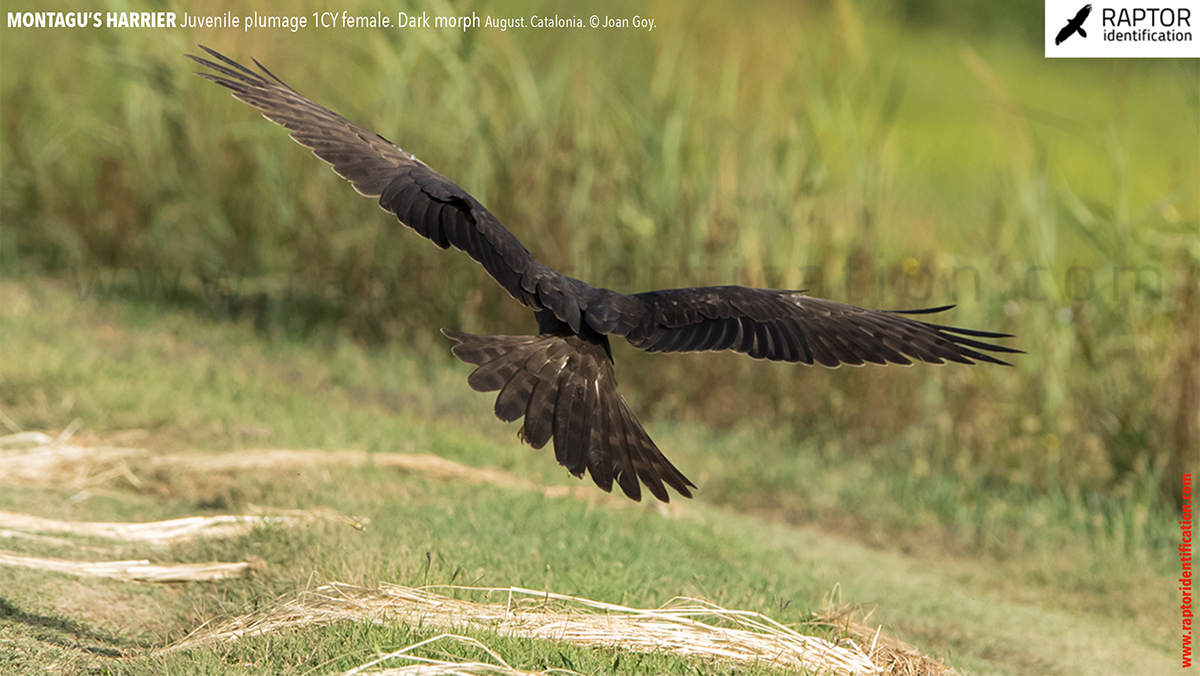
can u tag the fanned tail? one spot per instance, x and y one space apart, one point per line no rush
564 387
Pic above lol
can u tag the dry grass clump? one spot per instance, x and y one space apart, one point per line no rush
141 570
38 460
156 532
687 627
893 657
430 667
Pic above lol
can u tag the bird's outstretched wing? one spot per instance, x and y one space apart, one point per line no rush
786 326
565 388
420 197
1080 18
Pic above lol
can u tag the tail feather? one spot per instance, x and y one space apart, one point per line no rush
621 440
599 446
572 420
565 388
481 352
514 397
539 413
498 361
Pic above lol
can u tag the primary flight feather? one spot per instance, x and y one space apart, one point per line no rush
561 380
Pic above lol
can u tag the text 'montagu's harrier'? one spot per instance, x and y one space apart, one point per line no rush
561 380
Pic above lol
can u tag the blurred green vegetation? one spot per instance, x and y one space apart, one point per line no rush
873 157
1014 20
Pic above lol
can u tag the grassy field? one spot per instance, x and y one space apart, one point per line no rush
183 382
177 274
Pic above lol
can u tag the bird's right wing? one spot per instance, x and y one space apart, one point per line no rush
420 197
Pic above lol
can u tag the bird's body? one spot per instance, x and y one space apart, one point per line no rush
562 380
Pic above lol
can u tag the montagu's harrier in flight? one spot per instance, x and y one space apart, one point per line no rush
562 380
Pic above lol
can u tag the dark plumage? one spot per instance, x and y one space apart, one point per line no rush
1074 25
561 380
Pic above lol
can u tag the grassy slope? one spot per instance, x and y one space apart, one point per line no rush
188 382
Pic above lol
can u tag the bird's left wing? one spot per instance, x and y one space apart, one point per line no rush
421 198
786 326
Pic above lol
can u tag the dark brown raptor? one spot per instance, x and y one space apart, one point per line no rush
562 380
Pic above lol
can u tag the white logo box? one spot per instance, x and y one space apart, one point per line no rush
1164 29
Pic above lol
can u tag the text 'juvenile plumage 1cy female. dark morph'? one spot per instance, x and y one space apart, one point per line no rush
561 380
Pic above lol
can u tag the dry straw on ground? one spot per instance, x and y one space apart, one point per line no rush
38 460
35 459
425 666
892 656
688 628
142 571
155 532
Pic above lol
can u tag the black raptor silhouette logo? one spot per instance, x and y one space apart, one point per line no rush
1074 25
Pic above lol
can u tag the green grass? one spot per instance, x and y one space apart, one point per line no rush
421 532
890 541
351 644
